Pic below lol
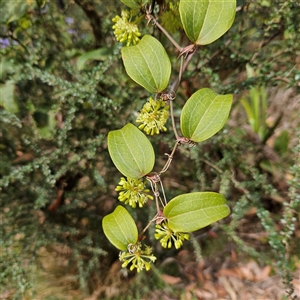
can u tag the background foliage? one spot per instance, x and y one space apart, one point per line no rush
63 88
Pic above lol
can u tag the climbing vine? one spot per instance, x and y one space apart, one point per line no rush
202 116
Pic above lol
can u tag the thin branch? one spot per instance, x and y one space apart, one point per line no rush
155 192
183 67
286 80
10 35
148 225
173 120
212 165
163 192
170 157
176 82
152 19
174 87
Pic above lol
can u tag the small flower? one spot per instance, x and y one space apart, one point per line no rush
133 191
139 259
124 30
153 116
168 237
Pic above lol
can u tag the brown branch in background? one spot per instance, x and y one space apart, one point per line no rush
264 43
89 8
286 80
59 196
11 36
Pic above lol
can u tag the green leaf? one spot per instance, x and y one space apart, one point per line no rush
6 67
281 144
12 10
204 21
134 4
249 112
190 212
7 97
120 228
204 114
99 54
148 64
131 151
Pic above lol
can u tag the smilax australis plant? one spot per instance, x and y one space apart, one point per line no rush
203 115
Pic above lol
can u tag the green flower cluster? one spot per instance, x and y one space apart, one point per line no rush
153 116
168 237
133 191
124 30
139 259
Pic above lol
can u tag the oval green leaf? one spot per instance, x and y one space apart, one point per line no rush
131 151
120 228
204 21
190 212
204 114
148 64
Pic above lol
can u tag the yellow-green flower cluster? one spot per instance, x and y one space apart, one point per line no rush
153 116
124 30
139 259
133 192
167 237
